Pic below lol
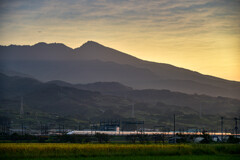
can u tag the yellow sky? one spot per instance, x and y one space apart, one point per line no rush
203 36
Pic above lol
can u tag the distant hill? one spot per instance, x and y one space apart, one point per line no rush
61 102
13 73
105 87
14 86
93 62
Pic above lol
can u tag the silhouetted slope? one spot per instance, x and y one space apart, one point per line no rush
93 62
207 104
12 86
62 100
105 87
58 99
14 73
39 51
92 50
60 83
83 71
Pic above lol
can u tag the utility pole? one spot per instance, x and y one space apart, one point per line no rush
45 129
21 108
59 129
236 128
222 128
174 128
22 128
41 128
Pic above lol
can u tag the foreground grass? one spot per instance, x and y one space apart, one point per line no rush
188 157
122 151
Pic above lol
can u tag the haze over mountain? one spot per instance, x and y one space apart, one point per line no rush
93 62
58 101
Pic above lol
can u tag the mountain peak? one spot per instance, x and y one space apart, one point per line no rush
40 44
91 44
43 44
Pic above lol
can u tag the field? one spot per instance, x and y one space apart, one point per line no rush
40 151
182 157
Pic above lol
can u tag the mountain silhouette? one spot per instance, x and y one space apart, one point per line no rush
108 100
93 62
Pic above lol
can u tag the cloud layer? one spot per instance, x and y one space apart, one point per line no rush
200 35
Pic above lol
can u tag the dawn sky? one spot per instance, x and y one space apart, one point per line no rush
201 35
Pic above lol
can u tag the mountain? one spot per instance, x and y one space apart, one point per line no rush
13 86
103 87
39 51
61 102
14 73
93 62
207 104
169 77
48 101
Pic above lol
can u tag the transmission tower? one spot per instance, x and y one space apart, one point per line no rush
21 108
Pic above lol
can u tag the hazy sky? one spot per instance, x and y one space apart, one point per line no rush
201 35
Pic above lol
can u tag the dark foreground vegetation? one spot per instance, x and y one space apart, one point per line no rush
182 157
104 138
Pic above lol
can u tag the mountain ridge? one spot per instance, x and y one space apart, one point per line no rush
94 62
48 101
100 45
